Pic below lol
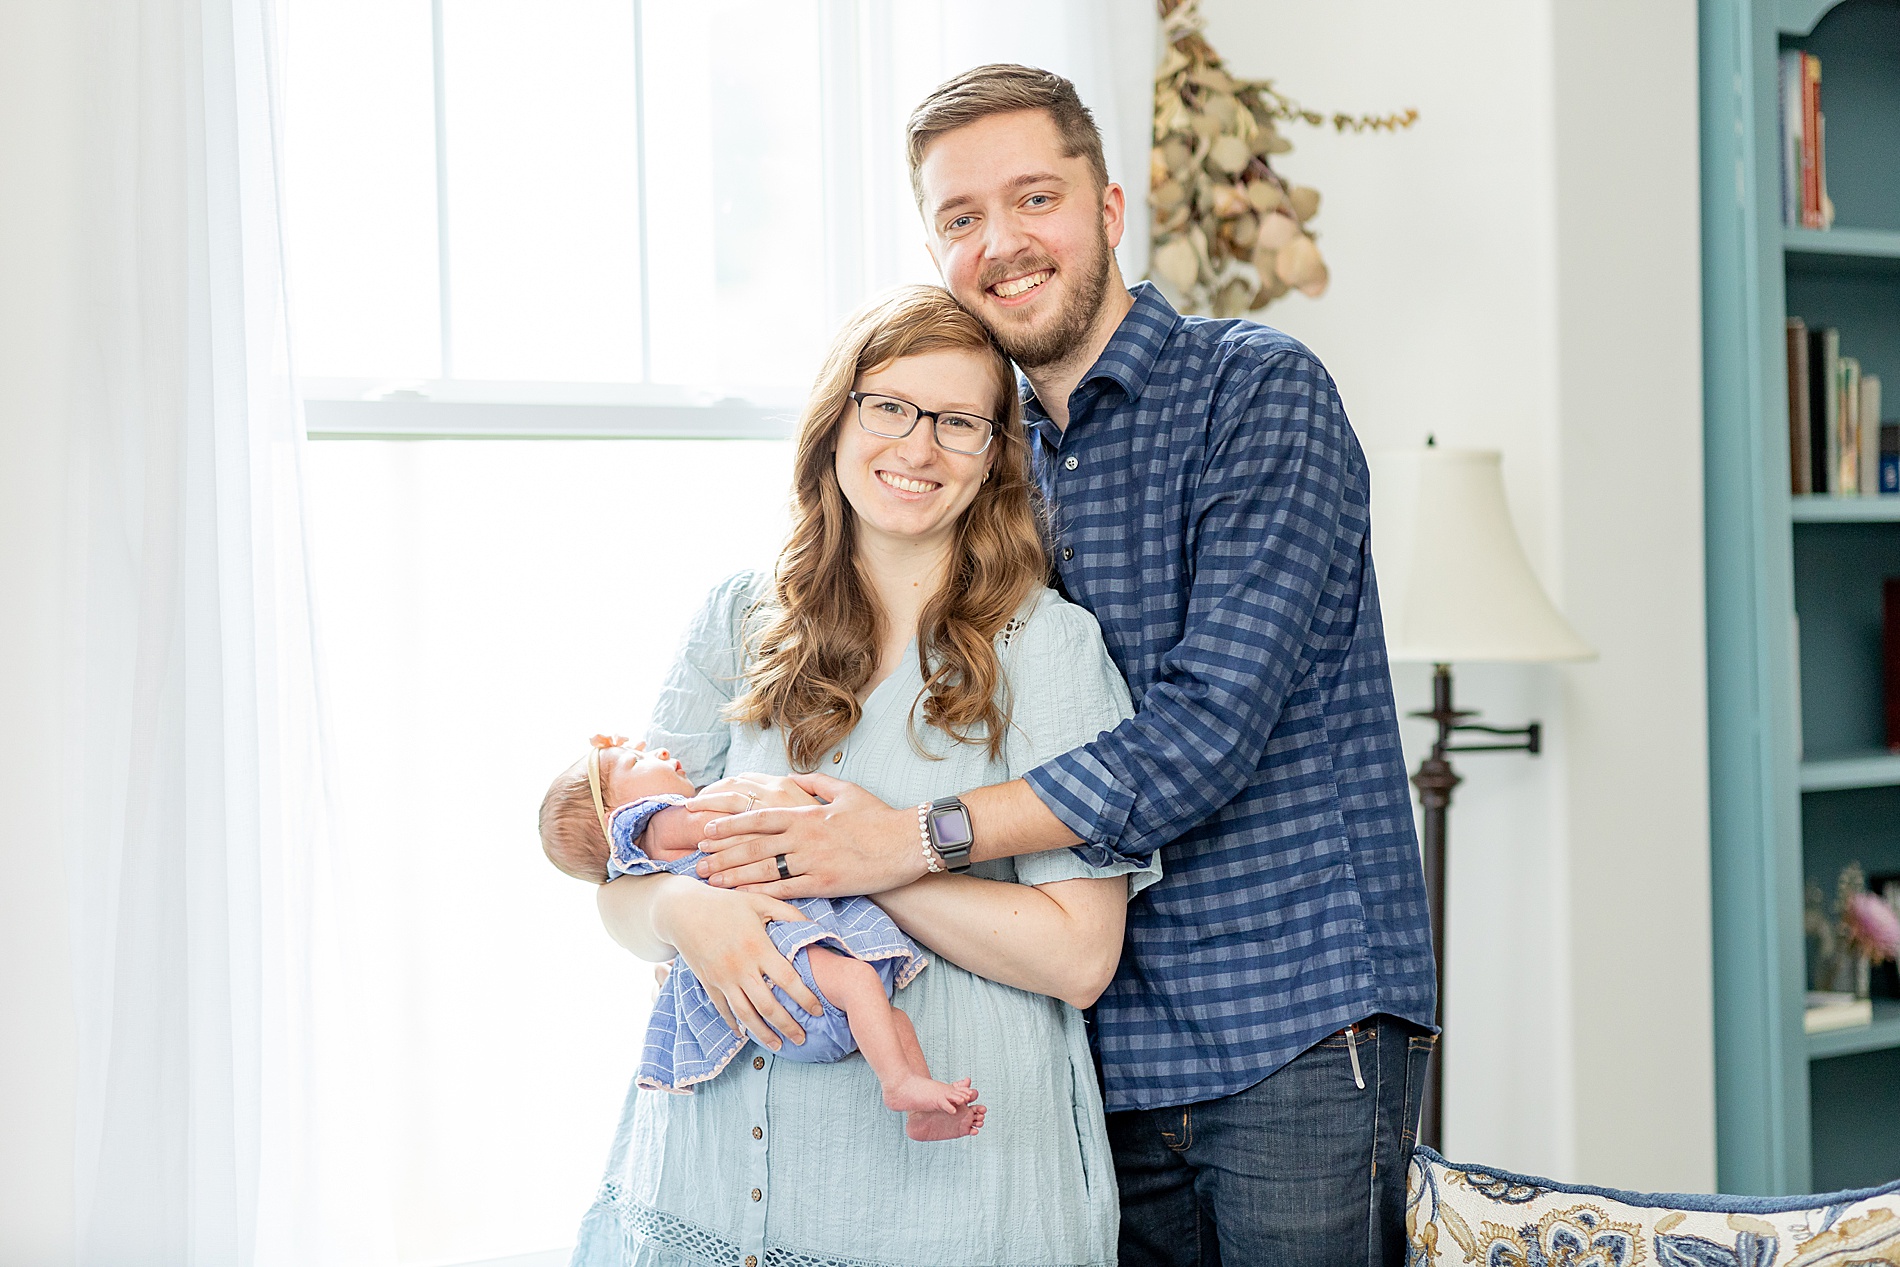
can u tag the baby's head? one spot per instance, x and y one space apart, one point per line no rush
584 796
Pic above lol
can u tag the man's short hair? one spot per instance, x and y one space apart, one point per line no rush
1003 88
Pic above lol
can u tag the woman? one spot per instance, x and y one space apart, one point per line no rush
906 641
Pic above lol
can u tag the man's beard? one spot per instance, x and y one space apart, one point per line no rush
1073 325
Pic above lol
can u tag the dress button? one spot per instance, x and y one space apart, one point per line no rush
751 1260
1069 463
757 1133
757 1195
836 757
758 1062
1068 552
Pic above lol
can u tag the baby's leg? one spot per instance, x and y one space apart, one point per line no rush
889 1042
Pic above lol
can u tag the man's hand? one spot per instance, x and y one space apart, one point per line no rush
851 845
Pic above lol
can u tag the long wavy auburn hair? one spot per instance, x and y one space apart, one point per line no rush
814 643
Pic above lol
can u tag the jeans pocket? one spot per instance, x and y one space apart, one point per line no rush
1177 1136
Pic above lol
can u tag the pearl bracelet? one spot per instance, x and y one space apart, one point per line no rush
931 860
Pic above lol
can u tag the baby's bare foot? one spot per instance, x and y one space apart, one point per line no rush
924 1126
918 1094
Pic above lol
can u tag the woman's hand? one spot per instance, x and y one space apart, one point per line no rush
721 936
741 793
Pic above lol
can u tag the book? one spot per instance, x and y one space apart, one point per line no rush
1890 457
1867 430
1845 477
1824 368
1890 657
1829 1009
1788 89
1810 141
1826 209
1800 439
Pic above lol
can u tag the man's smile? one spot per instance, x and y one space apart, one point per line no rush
1021 285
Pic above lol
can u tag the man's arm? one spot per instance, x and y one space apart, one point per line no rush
856 844
1284 483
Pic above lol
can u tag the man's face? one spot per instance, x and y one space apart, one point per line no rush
1020 232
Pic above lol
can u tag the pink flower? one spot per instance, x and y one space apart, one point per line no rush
1873 926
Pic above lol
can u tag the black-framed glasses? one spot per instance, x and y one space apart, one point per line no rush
893 417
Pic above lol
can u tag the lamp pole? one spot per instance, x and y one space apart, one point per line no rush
1435 780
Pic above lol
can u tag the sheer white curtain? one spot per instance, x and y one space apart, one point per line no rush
196 806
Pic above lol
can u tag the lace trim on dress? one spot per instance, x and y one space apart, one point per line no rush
671 1232
1003 639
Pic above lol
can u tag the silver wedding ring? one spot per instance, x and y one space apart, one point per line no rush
750 801
784 872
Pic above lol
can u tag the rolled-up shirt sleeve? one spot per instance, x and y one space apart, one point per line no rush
1276 546
1065 691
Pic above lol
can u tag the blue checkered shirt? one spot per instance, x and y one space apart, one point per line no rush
1208 504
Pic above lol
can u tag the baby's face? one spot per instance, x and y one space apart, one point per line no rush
627 774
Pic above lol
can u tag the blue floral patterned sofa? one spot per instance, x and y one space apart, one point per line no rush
1465 1215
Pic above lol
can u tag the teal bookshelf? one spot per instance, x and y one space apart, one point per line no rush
1800 779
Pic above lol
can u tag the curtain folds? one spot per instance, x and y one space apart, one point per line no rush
203 909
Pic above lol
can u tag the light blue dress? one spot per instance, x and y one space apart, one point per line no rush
778 1164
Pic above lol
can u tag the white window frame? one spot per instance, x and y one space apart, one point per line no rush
463 409
512 414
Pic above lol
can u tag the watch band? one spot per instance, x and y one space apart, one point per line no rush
951 833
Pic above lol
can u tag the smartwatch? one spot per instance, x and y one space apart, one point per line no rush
948 821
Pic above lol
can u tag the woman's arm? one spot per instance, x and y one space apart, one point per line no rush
1062 939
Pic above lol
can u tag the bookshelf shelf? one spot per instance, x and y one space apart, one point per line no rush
1838 774
1883 1034
1797 17
1845 510
1841 250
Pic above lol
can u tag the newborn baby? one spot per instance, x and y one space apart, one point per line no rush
607 816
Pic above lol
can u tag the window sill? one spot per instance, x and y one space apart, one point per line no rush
411 416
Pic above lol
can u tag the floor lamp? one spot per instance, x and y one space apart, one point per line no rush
1455 587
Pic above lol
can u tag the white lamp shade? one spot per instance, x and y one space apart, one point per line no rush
1454 584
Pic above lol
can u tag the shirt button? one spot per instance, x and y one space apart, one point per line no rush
758 1062
1069 463
757 1195
757 1133
1068 552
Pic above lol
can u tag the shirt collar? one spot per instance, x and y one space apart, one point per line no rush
1130 356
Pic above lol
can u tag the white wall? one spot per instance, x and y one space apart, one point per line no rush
36 1017
1519 271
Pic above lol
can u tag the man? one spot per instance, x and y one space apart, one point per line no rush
1264 1042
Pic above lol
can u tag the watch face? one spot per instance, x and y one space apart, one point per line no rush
953 827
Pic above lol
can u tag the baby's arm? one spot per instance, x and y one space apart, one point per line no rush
936 1110
674 832
659 832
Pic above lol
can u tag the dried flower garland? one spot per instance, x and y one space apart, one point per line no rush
1230 234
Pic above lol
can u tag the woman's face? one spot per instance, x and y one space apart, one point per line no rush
911 491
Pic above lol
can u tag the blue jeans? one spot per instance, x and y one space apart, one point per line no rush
1302 1169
